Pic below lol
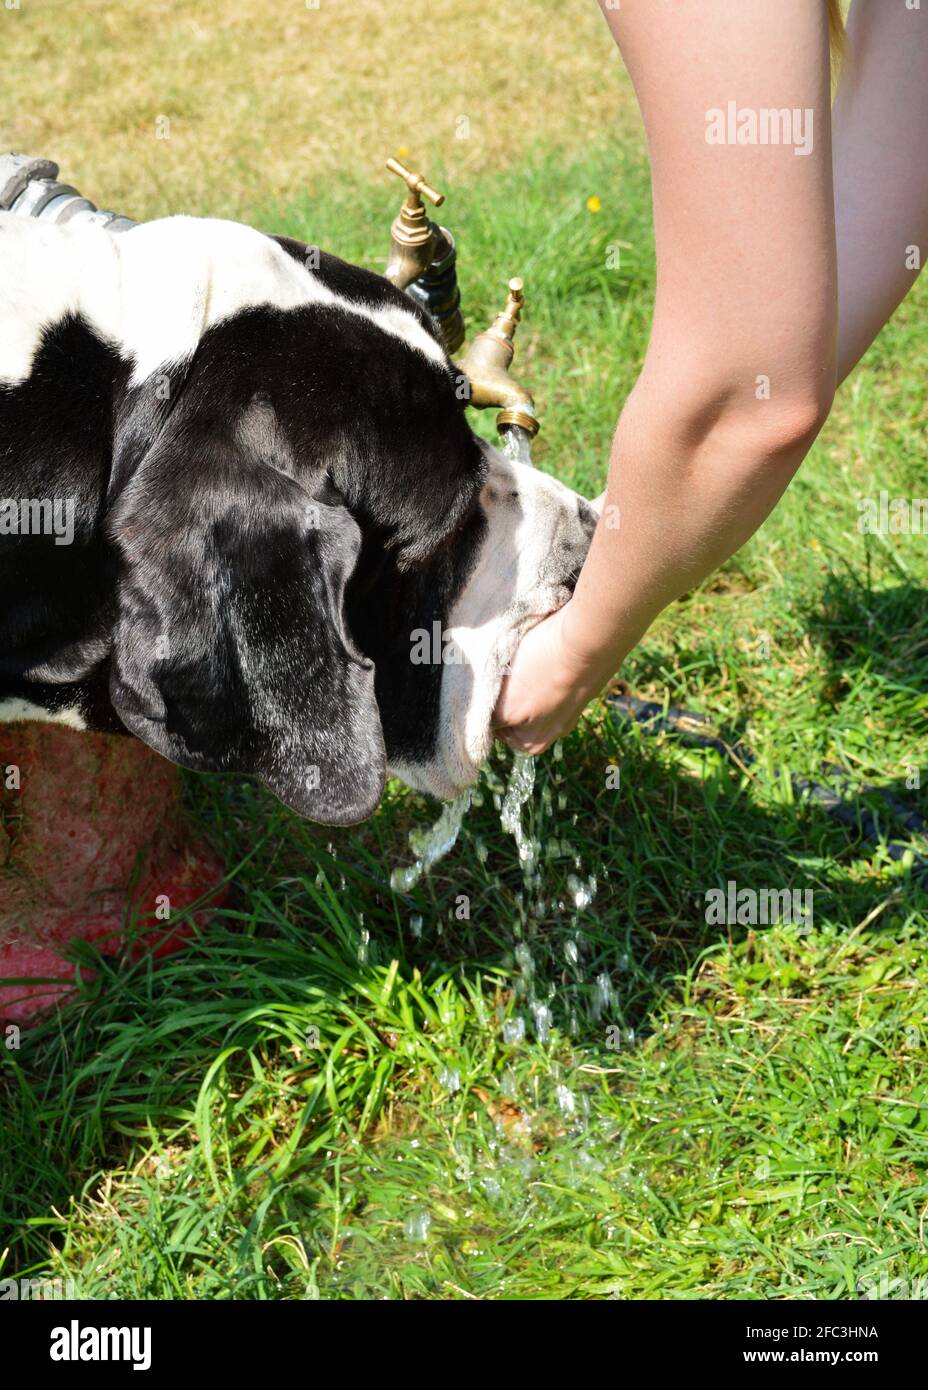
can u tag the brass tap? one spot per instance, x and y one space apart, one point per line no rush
412 235
423 258
486 365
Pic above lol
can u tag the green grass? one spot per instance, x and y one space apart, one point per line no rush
714 1112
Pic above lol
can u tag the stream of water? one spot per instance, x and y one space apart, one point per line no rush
551 960
433 843
516 444
518 792
541 826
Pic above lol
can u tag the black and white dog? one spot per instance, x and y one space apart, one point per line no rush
237 489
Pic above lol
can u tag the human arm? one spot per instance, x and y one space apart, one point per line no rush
881 201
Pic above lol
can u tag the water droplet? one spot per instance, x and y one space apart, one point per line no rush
587 1160
603 995
524 959
566 1100
417 1226
542 1022
581 893
514 1030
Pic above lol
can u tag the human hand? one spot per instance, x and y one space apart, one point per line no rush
547 688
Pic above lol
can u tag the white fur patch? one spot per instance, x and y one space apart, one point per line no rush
47 272
13 709
155 290
519 579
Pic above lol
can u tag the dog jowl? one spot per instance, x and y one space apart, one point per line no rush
272 485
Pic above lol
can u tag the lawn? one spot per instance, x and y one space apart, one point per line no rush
559 1082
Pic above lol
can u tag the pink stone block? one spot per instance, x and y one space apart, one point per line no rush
94 835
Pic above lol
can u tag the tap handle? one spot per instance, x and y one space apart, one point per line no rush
515 299
416 183
504 325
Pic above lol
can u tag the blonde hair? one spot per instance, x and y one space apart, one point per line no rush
836 28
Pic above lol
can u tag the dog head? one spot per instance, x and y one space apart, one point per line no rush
320 569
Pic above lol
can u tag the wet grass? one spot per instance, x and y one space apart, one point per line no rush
478 1090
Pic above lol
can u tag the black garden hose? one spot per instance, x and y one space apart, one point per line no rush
654 718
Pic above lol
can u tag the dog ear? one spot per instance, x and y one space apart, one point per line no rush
231 650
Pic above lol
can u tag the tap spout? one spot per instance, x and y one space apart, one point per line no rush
486 365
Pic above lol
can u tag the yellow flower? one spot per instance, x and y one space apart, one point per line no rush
402 152
593 204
